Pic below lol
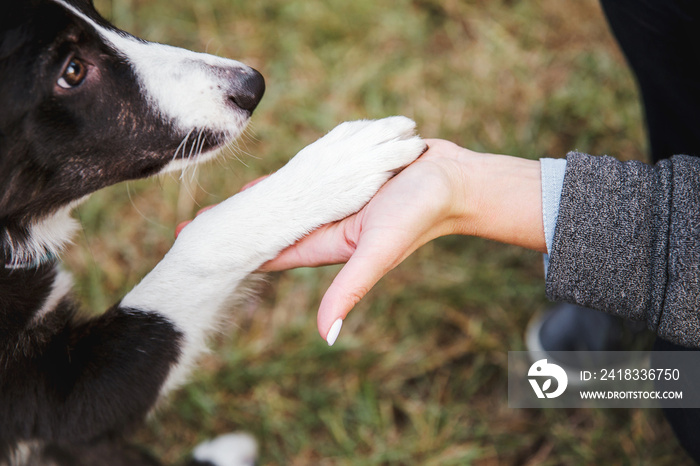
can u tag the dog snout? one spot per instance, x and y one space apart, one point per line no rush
247 90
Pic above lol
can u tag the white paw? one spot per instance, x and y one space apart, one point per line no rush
340 172
238 449
364 147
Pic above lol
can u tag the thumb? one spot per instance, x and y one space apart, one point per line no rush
353 282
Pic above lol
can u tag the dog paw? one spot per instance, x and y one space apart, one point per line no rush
237 449
365 147
343 170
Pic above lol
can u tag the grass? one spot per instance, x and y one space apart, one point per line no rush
418 375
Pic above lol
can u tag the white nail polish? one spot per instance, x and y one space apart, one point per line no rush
334 331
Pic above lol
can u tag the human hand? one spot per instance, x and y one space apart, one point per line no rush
410 210
448 190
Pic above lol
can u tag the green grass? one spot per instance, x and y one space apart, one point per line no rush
418 375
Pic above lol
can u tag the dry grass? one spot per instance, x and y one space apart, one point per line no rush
418 375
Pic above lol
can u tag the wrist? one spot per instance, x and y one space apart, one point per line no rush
501 199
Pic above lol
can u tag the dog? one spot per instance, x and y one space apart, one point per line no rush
84 105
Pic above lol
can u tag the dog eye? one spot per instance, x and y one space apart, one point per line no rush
74 74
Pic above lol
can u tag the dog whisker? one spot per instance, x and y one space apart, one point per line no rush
183 144
234 150
188 159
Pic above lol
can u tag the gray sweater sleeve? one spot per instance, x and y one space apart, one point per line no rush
627 242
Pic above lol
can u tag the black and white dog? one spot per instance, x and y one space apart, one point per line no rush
84 105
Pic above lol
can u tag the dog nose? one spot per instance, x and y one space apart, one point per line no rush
247 90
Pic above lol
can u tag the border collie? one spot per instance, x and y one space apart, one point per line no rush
84 105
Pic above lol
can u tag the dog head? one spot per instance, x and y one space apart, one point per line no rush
85 105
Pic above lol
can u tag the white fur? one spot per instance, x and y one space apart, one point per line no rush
47 237
62 285
228 450
184 86
327 181
23 452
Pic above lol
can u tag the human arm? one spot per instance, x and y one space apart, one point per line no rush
627 239
449 190
627 242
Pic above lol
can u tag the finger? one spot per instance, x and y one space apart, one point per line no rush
204 209
329 244
180 226
352 283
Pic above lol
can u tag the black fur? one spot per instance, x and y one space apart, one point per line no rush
71 379
68 379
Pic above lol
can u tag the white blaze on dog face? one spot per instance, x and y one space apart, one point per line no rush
190 90
187 87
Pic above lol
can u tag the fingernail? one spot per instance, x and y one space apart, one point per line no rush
334 331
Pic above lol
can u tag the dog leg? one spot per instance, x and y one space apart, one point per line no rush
327 181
